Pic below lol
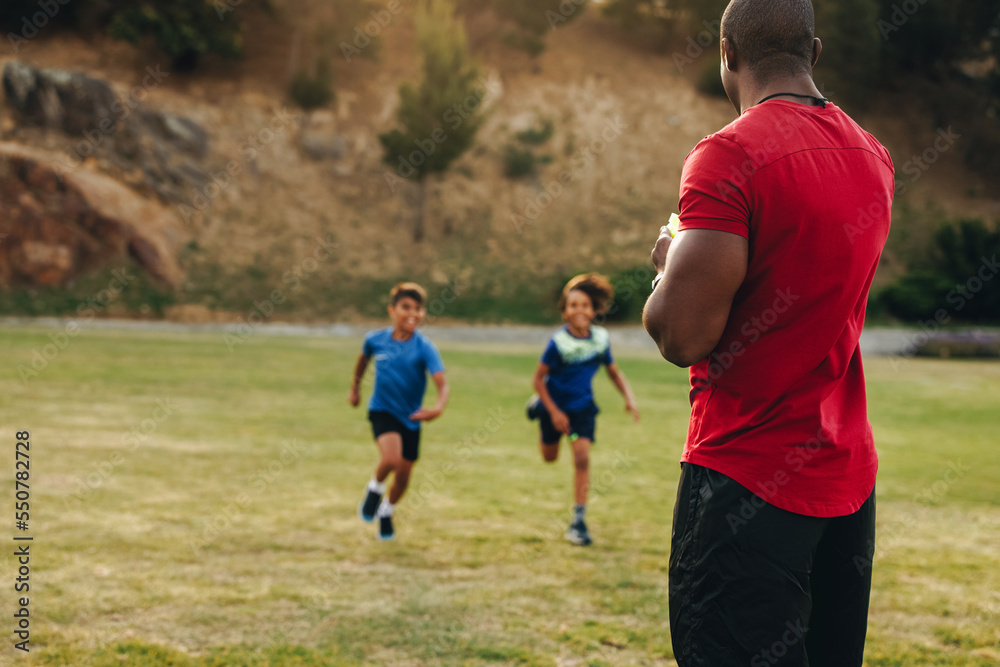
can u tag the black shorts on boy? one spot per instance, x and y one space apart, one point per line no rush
582 423
384 422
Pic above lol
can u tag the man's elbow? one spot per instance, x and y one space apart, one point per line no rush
680 354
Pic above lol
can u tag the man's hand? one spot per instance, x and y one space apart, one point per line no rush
354 397
659 254
631 408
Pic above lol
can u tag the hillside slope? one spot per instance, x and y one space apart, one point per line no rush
331 234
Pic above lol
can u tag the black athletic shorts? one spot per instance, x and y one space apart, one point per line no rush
383 422
583 423
752 585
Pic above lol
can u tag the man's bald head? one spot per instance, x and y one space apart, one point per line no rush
772 37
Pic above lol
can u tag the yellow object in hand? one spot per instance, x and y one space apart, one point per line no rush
673 224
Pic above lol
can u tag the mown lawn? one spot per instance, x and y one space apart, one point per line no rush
193 505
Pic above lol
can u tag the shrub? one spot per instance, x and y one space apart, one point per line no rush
958 276
311 91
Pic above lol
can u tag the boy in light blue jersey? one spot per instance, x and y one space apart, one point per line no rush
403 359
564 404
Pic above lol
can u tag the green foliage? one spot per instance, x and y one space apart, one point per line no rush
311 91
518 161
536 135
669 24
21 17
183 29
529 20
848 67
355 31
710 80
88 297
957 276
632 288
652 23
439 119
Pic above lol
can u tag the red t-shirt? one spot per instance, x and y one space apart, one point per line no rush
779 406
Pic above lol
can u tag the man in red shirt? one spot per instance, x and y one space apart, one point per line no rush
762 293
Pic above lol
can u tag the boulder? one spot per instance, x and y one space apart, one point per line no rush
70 101
165 150
57 226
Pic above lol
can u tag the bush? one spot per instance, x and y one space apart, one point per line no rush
518 161
710 80
313 91
535 136
958 276
184 29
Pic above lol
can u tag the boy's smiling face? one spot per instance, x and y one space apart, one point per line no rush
579 312
406 315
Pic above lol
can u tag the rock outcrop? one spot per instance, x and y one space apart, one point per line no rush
55 226
150 149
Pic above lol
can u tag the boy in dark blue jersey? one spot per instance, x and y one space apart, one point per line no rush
403 359
564 404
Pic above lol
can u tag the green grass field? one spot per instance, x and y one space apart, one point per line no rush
196 506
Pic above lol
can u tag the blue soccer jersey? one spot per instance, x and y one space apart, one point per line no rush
401 369
572 364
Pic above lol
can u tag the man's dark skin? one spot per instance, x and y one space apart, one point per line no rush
688 311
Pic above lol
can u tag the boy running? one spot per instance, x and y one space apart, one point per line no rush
564 404
403 358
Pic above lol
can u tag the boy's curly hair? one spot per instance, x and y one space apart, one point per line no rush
594 285
411 290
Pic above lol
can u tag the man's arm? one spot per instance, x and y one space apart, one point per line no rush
688 311
427 414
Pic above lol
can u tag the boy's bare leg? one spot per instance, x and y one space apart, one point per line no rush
581 465
549 452
391 447
400 480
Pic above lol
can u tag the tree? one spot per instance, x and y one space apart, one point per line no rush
184 29
439 120
849 66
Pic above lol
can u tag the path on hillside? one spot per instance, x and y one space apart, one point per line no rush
874 342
